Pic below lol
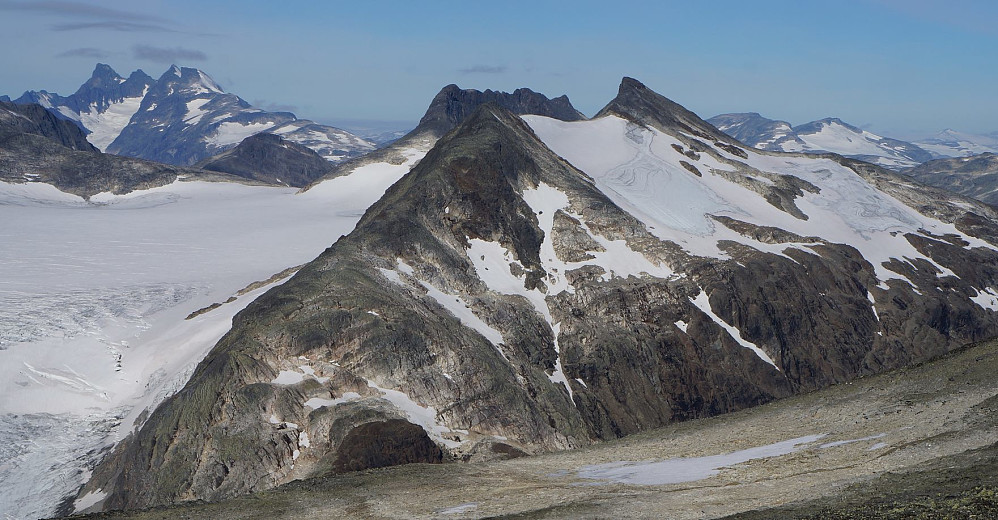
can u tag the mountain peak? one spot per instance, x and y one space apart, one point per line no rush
190 77
638 103
453 104
103 77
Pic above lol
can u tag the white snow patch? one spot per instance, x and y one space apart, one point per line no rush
457 510
195 111
678 470
702 301
682 325
106 126
986 298
873 304
317 402
424 416
459 308
89 500
851 441
287 377
229 133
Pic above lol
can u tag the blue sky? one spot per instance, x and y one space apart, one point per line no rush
899 67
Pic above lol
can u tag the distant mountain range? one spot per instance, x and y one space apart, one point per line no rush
950 143
825 135
181 118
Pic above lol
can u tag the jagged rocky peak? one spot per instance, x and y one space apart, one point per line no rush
190 78
638 103
106 87
453 104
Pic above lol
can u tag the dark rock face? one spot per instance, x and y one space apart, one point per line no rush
444 309
271 159
18 119
387 443
975 176
449 108
638 103
452 105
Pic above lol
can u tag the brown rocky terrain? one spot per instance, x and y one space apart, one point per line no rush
915 443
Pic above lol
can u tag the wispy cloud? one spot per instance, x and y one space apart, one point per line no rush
83 52
112 25
483 69
273 107
77 10
165 55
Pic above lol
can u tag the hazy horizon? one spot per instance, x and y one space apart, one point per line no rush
898 68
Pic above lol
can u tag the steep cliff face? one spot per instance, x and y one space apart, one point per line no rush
536 284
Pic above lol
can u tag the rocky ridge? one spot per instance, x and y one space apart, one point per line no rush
974 176
447 110
271 159
516 293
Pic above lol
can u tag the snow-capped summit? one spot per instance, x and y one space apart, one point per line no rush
182 117
825 135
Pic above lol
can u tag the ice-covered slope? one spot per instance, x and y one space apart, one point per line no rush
826 135
94 295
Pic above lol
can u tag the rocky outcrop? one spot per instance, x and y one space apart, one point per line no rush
33 119
270 159
501 300
975 176
35 146
453 104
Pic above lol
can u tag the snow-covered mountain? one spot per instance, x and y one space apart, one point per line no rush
182 118
826 135
102 106
108 304
950 143
535 284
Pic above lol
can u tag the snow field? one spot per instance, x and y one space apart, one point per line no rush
94 296
637 169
